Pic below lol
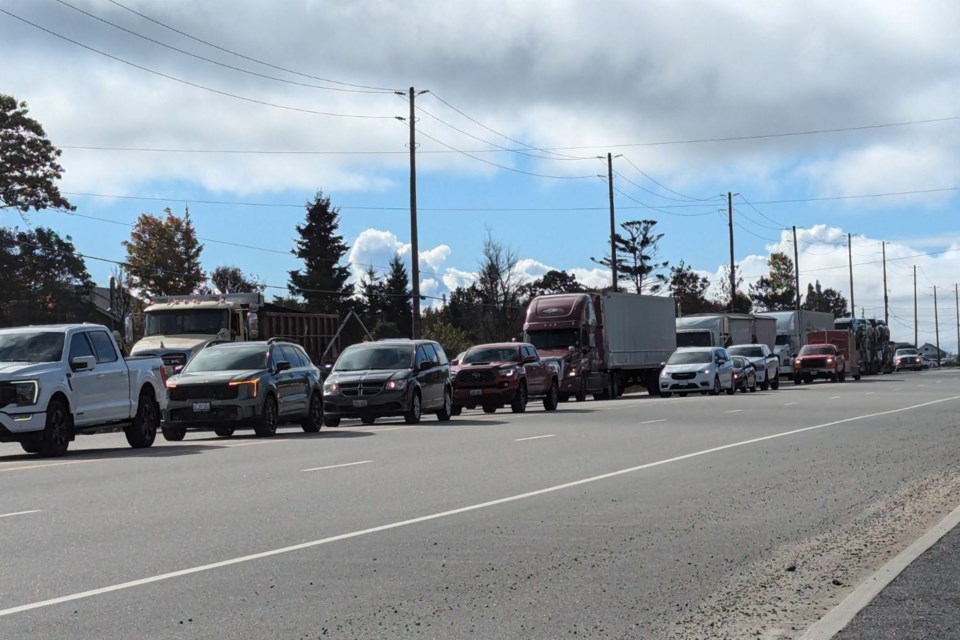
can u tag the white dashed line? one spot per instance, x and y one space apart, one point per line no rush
337 466
392 428
834 397
870 393
734 411
250 444
52 464
534 438
18 513
653 421
790 404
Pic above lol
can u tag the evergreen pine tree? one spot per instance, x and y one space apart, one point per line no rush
322 282
397 304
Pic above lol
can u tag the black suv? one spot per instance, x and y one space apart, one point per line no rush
388 378
245 384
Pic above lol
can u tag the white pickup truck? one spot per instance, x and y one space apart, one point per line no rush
60 380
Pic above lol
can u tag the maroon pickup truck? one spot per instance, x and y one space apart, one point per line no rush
492 376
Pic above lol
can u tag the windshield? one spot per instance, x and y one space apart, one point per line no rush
553 338
750 352
231 359
907 352
41 346
368 357
183 321
783 338
694 339
740 362
505 354
817 351
691 357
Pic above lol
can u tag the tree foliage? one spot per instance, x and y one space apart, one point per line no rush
231 279
322 282
554 281
397 301
499 291
776 291
827 300
29 169
740 303
637 257
689 289
452 338
44 279
163 255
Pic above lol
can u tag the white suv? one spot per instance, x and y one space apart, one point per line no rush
697 369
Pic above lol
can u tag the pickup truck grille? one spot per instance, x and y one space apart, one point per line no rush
203 392
354 389
813 363
8 394
475 378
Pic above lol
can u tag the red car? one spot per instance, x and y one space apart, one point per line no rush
495 375
818 361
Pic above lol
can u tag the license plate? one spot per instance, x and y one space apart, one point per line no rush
359 403
476 392
199 407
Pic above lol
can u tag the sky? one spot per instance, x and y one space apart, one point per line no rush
834 118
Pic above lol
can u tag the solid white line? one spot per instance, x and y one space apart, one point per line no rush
19 513
250 444
841 615
653 421
337 466
734 411
413 426
870 393
53 464
534 438
790 404
443 514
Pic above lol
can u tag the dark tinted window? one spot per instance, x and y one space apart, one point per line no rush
441 354
80 346
421 356
31 347
371 356
103 345
229 359
432 354
290 355
307 362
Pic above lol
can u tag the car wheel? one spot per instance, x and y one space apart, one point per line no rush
519 404
489 408
31 445
314 419
331 421
666 394
368 419
56 432
843 376
753 387
172 434
764 385
267 426
223 432
447 410
456 410
552 399
682 394
716 386
834 377
582 391
775 383
143 431
413 416
564 397
733 388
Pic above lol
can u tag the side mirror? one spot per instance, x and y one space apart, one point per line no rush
527 359
83 363
454 363
426 364
283 365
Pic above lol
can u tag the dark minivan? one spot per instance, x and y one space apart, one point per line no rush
372 380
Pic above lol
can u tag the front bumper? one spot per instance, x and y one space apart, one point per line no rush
699 382
471 397
383 404
233 412
12 425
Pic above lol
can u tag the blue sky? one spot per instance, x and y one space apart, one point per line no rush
836 120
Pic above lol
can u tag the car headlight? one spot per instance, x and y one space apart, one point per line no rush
707 371
396 385
27 392
572 372
248 388
331 389
506 373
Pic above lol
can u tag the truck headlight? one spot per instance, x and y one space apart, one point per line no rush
506 373
395 385
331 389
571 372
27 392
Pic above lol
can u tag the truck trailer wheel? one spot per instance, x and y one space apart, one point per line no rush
142 433
56 432
582 391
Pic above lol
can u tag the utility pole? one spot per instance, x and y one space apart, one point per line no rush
414 245
796 266
853 308
936 323
733 267
886 298
613 222
956 297
915 306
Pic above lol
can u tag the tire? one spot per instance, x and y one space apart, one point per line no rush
834 377
267 426
843 376
666 394
413 415
682 394
368 420
142 433
314 419
172 434
775 383
31 446
447 410
753 389
552 399
856 376
56 432
223 432
715 391
763 386
456 410
733 388
519 404
489 408
796 379
564 397
582 391
331 421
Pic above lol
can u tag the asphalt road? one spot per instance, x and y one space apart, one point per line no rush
634 518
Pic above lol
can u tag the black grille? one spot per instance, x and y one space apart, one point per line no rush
203 392
813 363
355 389
684 375
8 394
475 378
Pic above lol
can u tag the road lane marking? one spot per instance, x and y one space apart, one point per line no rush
442 514
734 411
250 444
337 466
653 421
18 513
790 404
53 464
535 437
870 393
834 397
413 426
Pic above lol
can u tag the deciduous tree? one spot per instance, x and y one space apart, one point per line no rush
689 289
230 279
827 300
163 255
554 281
776 291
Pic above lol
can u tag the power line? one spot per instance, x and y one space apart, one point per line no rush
210 60
240 55
779 224
663 186
644 205
194 84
